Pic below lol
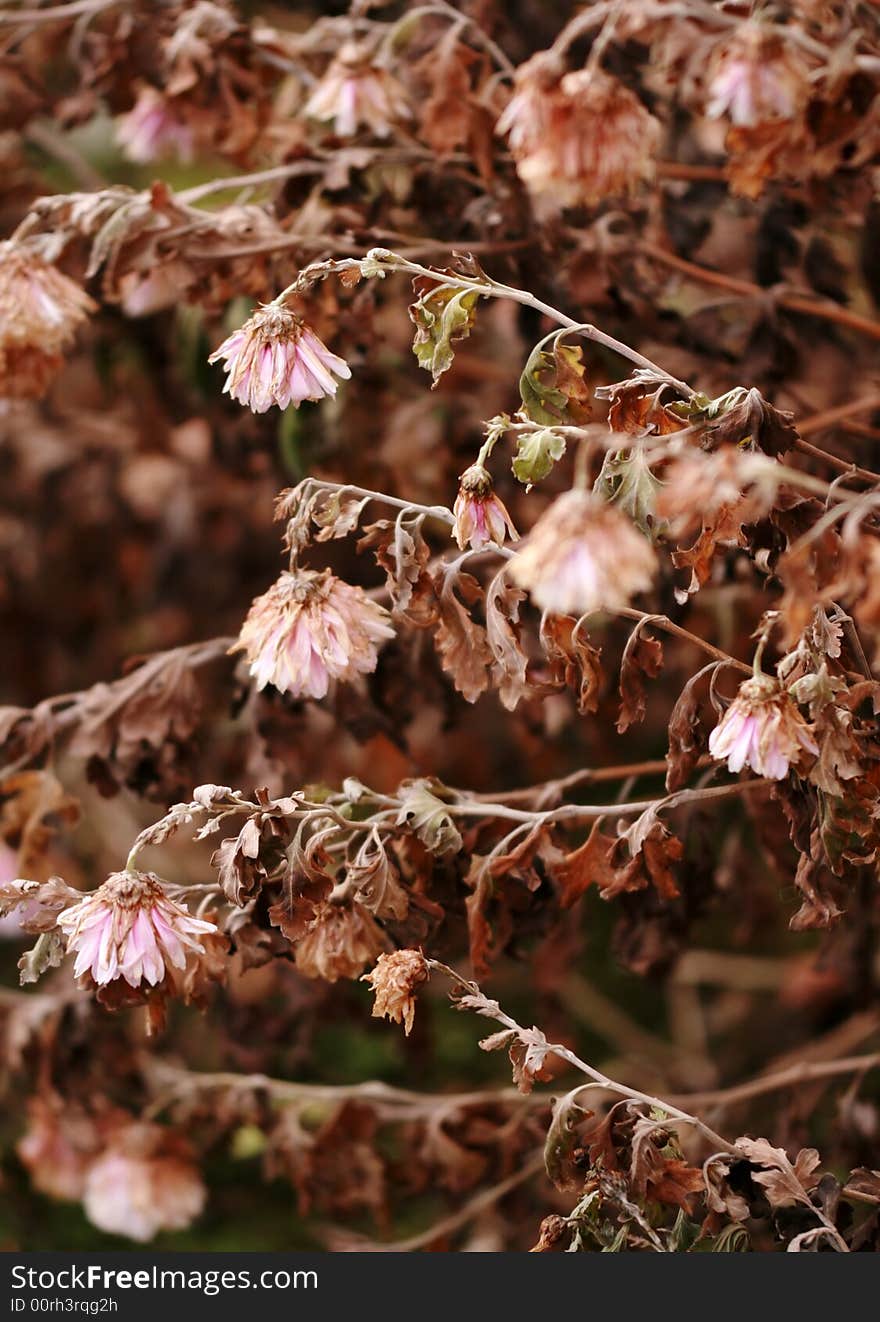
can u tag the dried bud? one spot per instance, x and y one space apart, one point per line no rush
311 627
756 77
275 358
152 131
480 517
762 729
143 1183
394 981
129 928
356 93
40 312
583 555
342 940
577 138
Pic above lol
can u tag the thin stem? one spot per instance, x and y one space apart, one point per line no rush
667 625
809 307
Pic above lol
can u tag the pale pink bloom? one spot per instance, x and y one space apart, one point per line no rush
311 627
583 555
355 93
135 1190
762 729
57 1148
151 130
275 358
480 517
755 78
145 292
40 312
577 137
129 928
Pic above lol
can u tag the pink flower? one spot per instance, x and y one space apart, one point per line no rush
275 358
762 729
129 928
40 312
311 627
355 92
143 1183
151 130
583 555
57 1148
577 137
756 78
480 517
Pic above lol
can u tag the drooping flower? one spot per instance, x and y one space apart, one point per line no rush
577 137
480 517
762 729
308 628
395 980
144 1182
341 941
756 77
583 555
152 131
40 312
275 358
129 928
58 1147
355 93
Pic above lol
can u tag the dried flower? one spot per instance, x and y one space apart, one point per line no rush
394 980
275 358
308 628
151 130
342 940
57 1148
480 517
129 928
577 137
40 312
756 77
143 1183
354 92
583 555
762 729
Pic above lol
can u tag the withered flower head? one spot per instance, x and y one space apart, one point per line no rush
275 358
577 137
129 928
762 729
40 312
57 1148
355 93
144 1182
395 980
342 940
756 76
308 628
152 130
583 555
480 517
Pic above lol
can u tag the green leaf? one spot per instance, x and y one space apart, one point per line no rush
441 316
536 454
626 480
46 954
553 386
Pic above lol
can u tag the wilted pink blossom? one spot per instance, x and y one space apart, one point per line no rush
275 358
762 729
577 137
308 628
582 555
57 1148
756 78
40 312
356 93
138 1187
129 928
151 130
480 517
